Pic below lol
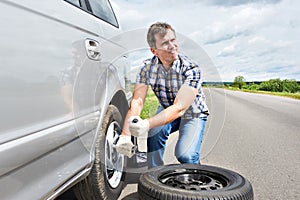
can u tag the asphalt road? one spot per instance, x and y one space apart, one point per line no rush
255 135
261 140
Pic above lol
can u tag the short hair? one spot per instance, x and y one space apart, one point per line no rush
160 28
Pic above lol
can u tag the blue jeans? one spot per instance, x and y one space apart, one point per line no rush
188 146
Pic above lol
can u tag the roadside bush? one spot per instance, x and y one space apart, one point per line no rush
273 85
253 86
290 86
276 85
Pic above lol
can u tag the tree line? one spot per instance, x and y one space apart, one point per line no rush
272 85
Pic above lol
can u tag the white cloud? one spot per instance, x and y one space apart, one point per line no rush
229 3
255 38
228 51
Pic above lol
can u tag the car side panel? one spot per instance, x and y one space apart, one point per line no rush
52 95
46 177
40 62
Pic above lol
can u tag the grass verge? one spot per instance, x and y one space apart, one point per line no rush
283 94
150 105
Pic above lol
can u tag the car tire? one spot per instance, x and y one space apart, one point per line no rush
193 182
106 179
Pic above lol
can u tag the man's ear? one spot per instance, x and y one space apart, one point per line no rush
153 51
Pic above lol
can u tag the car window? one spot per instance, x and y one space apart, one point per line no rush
103 10
75 2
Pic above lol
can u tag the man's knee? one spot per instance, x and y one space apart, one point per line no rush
192 158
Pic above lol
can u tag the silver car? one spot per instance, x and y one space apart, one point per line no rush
64 94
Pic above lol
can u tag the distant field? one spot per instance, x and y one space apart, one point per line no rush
284 94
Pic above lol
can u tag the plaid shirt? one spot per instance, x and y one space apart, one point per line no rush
166 84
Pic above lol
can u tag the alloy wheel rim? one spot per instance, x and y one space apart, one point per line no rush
114 161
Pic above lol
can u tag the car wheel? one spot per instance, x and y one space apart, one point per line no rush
106 179
193 182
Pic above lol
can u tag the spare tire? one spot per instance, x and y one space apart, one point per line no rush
193 182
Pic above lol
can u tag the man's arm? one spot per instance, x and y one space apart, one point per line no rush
136 105
183 101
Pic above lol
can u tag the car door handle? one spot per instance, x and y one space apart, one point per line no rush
93 49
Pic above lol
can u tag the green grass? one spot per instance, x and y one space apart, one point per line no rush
150 105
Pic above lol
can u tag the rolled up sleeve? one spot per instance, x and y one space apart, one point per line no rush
193 77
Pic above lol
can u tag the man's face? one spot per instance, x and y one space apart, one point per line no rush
166 48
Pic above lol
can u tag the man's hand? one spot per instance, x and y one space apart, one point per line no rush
124 146
138 127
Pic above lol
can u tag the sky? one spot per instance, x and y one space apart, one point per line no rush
256 39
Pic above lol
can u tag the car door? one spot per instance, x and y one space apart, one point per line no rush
50 67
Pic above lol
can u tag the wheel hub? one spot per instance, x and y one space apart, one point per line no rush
190 179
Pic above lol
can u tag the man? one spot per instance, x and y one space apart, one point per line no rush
176 81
